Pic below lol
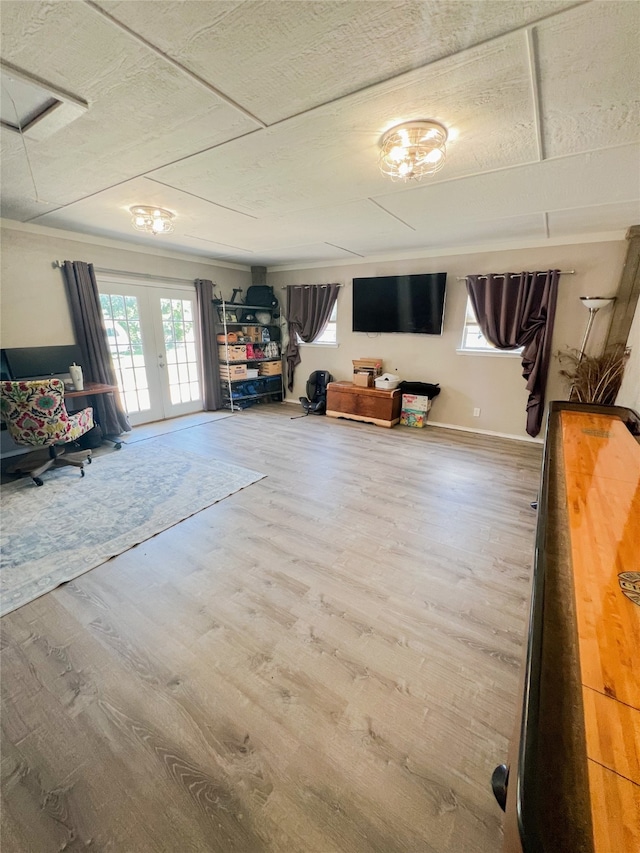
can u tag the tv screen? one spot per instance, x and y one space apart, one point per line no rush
399 303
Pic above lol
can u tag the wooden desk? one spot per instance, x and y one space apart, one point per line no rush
574 781
372 405
95 389
90 389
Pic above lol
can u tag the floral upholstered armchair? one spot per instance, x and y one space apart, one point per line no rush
36 416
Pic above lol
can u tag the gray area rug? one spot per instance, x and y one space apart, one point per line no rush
71 524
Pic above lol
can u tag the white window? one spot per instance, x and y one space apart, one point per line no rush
328 335
474 341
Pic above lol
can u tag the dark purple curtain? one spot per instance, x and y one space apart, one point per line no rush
91 336
517 310
309 307
211 396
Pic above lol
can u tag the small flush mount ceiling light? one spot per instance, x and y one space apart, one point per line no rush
413 150
153 220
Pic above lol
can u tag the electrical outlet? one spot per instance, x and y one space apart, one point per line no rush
476 413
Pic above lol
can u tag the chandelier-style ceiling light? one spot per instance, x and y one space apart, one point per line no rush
413 150
153 220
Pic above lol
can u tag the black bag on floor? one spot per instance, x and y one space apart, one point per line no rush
92 439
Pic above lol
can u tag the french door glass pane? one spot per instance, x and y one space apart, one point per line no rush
122 321
179 341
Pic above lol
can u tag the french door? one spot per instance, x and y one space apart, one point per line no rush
153 338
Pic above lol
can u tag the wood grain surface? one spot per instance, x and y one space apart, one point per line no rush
602 469
325 662
370 405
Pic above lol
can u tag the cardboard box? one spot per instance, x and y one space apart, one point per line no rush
233 371
413 419
270 368
368 365
253 332
415 403
232 353
364 380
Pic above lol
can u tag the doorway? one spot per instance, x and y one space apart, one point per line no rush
153 339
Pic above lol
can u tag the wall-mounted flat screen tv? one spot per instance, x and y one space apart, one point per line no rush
400 303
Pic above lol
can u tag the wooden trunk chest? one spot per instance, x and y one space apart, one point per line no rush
346 400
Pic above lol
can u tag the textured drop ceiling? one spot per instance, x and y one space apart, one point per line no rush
257 123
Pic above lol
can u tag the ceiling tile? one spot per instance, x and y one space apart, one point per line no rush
586 179
331 77
462 233
142 112
589 77
277 64
302 254
601 217
330 155
107 215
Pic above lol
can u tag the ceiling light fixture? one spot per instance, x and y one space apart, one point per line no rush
413 150
153 220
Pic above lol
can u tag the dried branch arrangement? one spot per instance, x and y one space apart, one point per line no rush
594 378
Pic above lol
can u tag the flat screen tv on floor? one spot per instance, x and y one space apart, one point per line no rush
411 304
40 362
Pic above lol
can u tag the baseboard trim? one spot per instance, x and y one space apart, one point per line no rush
488 432
466 429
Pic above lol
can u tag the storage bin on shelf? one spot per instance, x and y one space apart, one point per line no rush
237 352
270 368
233 371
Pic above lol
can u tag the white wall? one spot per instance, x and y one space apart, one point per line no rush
35 313
34 303
492 383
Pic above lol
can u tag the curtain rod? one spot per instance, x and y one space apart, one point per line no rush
307 286
148 276
511 275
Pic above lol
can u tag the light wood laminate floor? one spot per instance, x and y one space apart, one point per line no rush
325 662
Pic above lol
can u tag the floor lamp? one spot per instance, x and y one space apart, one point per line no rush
593 304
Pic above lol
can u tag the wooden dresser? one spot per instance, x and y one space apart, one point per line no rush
346 400
573 784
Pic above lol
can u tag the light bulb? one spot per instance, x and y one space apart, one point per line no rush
433 156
